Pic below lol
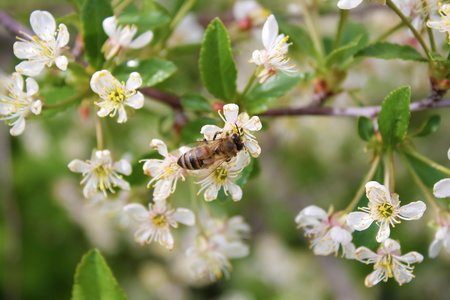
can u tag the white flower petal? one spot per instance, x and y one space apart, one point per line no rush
412 257
383 232
435 248
137 211
167 239
134 81
231 111
359 220
43 24
254 124
17 80
123 166
36 106
184 216
376 192
348 4
312 211
412 211
392 245
253 148
141 236
136 101
109 26
159 146
141 40
373 278
61 62
32 86
269 31
19 127
235 191
340 235
365 255
212 192
122 115
442 188
30 68
209 131
79 166
257 57
63 36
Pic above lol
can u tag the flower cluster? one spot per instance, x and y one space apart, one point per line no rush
330 231
443 24
223 240
272 59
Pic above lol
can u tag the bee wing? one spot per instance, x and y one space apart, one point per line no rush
203 173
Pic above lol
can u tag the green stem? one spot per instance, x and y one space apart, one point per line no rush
99 132
429 30
312 29
67 101
361 188
248 86
386 34
428 161
342 20
194 199
422 186
408 23
391 167
184 9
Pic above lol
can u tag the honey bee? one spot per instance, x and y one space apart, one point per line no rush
212 153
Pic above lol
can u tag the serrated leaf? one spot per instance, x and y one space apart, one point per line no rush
366 130
430 126
190 132
93 13
391 51
94 280
257 99
195 102
217 66
152 71
394 116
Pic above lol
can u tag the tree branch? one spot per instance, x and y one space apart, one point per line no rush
171 100
12 26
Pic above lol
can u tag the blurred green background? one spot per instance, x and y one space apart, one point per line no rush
46 226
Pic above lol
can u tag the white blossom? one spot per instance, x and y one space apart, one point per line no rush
188 31
443 24
121 38
43 48
156 222
236 123
385 209
101 174
388 262
273 58
348 4
327 231
16 104
442 188
165 172
114 95
441 239
224 176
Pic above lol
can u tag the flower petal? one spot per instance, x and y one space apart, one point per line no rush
18 128
141 236
32 86
210 130
61 62
377 193
30 68
122 115
312 211
365 255
340 235
253 147
123 166
442 188
348 4
412 211
269 31
159 146
435 248
43 24
141 40
134 81
359 220
383 232
373 278
109 26
36 106
136 101
412 257
137 211
235 191
184 216
79 166
231 111
63 36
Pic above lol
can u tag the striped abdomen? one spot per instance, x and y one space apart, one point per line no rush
197 158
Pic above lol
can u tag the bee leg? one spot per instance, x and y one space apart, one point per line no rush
202 140
215 135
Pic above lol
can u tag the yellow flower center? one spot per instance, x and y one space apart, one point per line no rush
160 220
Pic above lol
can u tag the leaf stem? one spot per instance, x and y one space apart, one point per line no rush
391 166
248 86
389 32
361 188
414 31
428 161
422 185
342 20
312 28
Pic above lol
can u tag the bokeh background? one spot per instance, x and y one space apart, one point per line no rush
46 226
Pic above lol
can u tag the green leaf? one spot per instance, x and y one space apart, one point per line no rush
58 95
217 66
339 55
257 99
430 126
300 39
427 173
152 71
94 280
195 102
366 130
190 132
92 15
145 20
391 51
394 116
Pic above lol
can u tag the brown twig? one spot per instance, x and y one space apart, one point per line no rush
12 26
171 100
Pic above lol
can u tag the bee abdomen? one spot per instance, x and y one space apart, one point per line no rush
192 160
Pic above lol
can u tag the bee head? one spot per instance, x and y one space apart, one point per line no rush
238 141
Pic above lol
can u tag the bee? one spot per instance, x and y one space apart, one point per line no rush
212 153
